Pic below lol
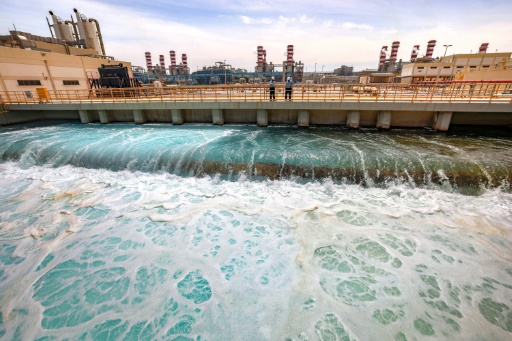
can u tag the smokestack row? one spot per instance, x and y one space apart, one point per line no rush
394 50
290 54
430 48
414 52
483 48
382 57
149 64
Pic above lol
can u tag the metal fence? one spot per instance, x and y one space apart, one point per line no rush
479 92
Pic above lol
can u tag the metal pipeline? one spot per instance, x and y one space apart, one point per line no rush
73 24
99 34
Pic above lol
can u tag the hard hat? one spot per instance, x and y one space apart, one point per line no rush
289 78
273 78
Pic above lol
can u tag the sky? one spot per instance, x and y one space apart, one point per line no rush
325 34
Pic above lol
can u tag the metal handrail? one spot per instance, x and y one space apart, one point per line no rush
481 92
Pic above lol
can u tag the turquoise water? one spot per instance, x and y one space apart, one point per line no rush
159 232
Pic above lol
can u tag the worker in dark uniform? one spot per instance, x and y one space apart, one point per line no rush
288 89
272 89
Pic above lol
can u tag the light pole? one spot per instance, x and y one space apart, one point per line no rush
446 49
323 68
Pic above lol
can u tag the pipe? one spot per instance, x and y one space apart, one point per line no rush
99 34
50 26
75 29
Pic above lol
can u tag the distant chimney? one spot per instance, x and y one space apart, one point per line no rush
430 48
394 50
483 48
382 56
149 64
414 52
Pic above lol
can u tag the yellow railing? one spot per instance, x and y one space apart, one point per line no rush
480 92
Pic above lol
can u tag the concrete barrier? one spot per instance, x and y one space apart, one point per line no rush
439 115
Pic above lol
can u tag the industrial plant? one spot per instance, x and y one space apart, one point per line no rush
74 57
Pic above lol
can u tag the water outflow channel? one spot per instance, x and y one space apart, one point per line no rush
457 161
199 232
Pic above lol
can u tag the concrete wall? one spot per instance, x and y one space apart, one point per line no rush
51 69
411 115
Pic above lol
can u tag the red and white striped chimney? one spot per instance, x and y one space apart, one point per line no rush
289 54
173 58
394 50
149 64
430 48
414 52
260 56
264 56
483 48
184 59
382 57
162 61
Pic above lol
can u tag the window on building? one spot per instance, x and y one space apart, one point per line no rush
29 82
421 67
446 67
433 67
472 67
71 82
485 66
460 67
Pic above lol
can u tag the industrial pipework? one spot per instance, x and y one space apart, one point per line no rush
61 28
89 30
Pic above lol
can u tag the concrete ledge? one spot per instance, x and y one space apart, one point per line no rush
384 120
139 117
442 121
217 117
176 116
353 119
262 117
104 118
85 116
303 118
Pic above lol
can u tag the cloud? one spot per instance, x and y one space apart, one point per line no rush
352 26
281 20
248 20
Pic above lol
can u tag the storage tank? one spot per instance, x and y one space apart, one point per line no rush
62 30
88 32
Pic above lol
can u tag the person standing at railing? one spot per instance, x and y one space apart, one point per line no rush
288 89
272 89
